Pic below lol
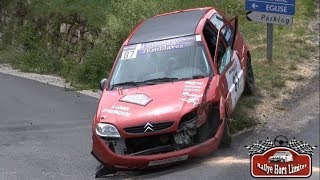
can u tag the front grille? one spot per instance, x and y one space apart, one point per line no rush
148 145
155 127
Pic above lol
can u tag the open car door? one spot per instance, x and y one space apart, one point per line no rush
228 62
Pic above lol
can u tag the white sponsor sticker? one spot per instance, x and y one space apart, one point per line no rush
192 95
193 90
140 99
191 86
193 101
167 161
117 112
193 83
198 37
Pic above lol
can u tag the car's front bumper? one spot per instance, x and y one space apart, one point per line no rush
110 159
276 160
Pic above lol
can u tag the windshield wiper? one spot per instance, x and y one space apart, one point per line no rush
162 79
132 83
129 83
198 76
147 82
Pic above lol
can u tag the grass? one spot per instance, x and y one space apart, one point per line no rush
29 46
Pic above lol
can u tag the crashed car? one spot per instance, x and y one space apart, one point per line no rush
174 83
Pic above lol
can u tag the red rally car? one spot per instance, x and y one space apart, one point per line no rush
175 81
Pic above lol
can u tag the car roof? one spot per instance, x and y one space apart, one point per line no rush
283 152
176 24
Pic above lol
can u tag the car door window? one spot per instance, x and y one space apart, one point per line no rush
227 31
210 35
225 60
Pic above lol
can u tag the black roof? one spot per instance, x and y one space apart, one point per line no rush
168 26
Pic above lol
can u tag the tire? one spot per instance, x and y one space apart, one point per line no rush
226 136
249 84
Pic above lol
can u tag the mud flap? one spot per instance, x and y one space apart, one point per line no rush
102 171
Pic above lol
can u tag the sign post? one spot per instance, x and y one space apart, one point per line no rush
269 41
271 12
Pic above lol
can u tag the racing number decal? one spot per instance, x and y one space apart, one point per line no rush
235 80
127 54
131 52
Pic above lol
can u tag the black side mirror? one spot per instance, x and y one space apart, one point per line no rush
103 83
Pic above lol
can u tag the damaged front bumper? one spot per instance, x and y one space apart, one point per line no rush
117 156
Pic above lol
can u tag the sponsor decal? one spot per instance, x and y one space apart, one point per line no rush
189 89
139 99
193 83
132 51
281 158
198 37
191 98
118 110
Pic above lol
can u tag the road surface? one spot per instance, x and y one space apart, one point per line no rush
45 133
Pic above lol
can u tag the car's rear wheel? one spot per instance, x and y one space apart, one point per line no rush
250 84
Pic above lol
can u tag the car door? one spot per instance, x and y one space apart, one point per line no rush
228 63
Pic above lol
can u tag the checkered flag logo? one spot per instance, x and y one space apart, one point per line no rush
260 147
301 147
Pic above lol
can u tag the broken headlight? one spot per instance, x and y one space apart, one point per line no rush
187 129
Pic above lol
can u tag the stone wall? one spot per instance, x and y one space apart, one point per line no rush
69 35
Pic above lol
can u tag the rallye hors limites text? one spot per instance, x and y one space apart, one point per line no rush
175 80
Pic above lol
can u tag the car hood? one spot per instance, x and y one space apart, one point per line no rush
150 104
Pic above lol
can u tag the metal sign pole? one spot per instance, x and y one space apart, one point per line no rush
271 12
269 41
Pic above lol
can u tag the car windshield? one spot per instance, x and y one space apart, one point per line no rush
161 61
280 153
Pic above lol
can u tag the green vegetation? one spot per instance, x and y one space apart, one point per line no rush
31 40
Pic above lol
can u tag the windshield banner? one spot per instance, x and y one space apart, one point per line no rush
131 51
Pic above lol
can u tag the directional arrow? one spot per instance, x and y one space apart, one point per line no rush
254 6
271 18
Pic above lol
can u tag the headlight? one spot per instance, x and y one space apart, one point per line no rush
107 130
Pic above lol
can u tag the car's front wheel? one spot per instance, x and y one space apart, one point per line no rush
250 84
226 136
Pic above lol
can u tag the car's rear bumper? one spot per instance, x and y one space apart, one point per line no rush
110 159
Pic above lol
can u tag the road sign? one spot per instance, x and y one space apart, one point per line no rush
264 17
272 6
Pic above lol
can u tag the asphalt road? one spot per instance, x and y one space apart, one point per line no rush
45 134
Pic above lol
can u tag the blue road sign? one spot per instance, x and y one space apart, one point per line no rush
271 6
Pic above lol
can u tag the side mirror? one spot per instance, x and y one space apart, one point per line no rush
103 83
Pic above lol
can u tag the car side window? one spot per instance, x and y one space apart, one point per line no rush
210 35
227 32
225 60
